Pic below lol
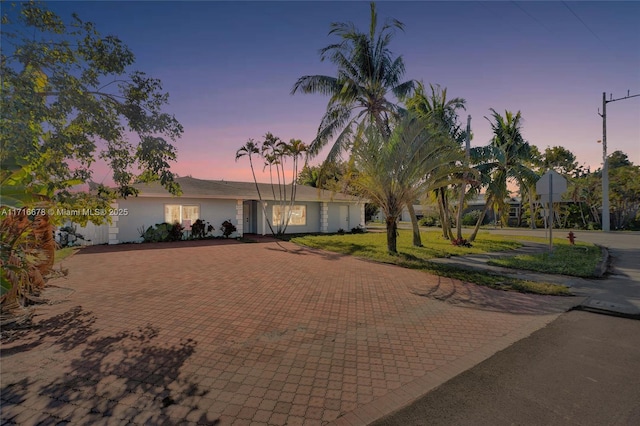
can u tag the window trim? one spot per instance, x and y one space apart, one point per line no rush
303 216
181 212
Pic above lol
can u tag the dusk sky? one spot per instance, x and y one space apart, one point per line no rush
229 67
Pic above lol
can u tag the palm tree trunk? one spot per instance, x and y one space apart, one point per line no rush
264 208
392 234
459 215
447 234
445 205
442 215
532 212
417 241
480 220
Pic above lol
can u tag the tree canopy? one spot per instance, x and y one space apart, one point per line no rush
559 159
69 97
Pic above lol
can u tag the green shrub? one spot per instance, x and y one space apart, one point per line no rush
228 228
201 229
163 232
175 232
429 221
471 218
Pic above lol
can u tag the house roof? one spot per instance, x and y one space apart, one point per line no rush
222 189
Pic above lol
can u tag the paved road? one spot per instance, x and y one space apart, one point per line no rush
582 369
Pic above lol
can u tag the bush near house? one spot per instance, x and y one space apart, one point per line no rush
357 230
201 229
228 228
163 232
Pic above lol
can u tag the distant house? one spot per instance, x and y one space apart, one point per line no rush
477 203
215 201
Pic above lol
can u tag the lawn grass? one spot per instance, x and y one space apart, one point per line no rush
373 246
63 253
578 260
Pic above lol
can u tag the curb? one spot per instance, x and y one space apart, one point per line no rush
586 307
603 266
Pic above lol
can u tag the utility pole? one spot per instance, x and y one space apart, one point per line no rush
464 183
605 164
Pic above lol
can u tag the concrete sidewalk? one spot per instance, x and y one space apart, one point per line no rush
617 292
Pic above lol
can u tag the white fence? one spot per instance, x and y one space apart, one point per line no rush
91 234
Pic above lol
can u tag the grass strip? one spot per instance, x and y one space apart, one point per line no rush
63 253
578 260
372 246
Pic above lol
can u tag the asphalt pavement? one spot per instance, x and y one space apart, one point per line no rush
582 369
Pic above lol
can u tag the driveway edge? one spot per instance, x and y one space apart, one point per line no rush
409 393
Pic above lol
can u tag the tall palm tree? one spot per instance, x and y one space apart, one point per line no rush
249 149
394 170
504 159
443 112
367 73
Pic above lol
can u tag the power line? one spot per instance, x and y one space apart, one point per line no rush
531 16
580 19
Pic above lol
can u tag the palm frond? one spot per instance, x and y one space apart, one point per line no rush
322 84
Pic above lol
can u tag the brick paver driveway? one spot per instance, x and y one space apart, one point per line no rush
266 333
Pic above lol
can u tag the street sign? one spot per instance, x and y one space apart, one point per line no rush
555 198
550 187
551 182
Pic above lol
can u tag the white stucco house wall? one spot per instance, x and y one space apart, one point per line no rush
215 201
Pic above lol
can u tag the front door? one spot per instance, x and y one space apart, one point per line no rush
344 218
249 224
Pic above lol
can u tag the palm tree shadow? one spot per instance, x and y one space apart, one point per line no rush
307 251
474 296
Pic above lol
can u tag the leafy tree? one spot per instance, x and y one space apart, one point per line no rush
618 159
69 97
585 191
393 170
367 73
329 175
559 159
624 182
502 160
625 196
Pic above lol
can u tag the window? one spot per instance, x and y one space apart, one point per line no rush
297 214
184 215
